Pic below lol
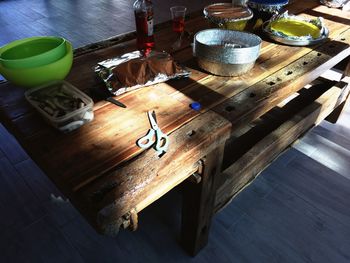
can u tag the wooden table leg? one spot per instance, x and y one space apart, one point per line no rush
198 204
334 116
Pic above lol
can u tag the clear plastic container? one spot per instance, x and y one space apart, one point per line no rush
62 105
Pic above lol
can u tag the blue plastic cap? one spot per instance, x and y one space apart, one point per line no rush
195 105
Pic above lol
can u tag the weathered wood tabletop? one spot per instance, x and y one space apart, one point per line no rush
100 168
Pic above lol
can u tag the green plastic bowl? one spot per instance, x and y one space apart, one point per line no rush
32 52
35 76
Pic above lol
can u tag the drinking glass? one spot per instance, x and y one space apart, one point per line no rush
178 17
178 20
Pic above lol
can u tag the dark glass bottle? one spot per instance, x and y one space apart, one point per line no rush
143 10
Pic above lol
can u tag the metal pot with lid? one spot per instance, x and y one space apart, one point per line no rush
228 16
265 9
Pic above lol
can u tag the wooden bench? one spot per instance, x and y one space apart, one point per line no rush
244 123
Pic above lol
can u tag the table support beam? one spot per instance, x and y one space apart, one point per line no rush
198 204
335 115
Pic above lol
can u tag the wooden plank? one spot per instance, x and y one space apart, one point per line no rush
83 66
335 115
198 204
247 167
272 58
209 91
248 244
76 161
108 140
334 14
267 93
144 177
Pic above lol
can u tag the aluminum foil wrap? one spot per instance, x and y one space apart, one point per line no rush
297 40
132 71
272 7
334 3
221 13
226 52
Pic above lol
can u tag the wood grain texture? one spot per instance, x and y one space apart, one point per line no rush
266 94
198 204
262 146
237 234
210 91
77 161
337 113
126 189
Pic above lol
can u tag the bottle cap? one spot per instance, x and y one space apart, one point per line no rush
196 106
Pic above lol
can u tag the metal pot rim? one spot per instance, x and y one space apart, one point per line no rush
221 20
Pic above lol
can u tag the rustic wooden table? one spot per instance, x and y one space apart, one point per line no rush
243 120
